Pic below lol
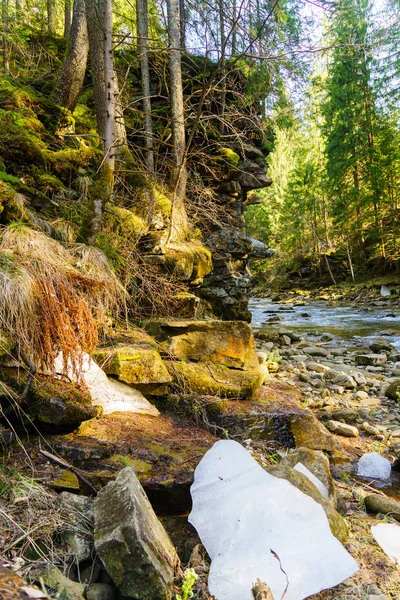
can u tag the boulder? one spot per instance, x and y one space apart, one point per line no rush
227 343
138 365
53 404
274 414
209 379
302 482
131 542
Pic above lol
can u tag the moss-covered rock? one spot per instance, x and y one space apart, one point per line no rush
337 523
227 343
393 391
51 403
316 462
134 364
208 379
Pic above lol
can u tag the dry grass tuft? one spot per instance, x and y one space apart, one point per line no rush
52 299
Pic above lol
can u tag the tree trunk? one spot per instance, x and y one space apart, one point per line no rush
73 72
95 10
4 18
222 63
143 47
104 187
67 18
182 22
234 29
51 16
179 170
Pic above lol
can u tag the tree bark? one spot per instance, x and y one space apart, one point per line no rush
103 190
73 72
95 10
221 9
67 19
4 19
182 23
179 170
51 16
143 47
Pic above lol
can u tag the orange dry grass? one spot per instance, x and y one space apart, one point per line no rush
57 298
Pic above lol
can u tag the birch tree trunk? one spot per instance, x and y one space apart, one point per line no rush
67 18
73 72
143 47
179 169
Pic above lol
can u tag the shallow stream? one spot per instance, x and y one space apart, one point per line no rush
344 323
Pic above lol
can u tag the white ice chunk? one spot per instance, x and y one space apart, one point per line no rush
246 518
112 395
385 291
317 482
388 537
374 465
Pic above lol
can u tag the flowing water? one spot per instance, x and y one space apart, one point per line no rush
345 323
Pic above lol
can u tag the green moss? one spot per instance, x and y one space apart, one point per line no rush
127 224
162 202
227 156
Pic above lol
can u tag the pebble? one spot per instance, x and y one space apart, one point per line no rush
370 429
342 429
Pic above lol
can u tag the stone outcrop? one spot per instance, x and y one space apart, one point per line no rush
230 344
139 365
227 286
131 542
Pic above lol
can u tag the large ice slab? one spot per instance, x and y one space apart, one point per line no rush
111 395
374 465
388 537
256 526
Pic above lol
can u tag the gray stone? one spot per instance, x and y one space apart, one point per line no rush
393 390
371 360
131 542
338 378
315 351
376 503
65 588
342 429
370 429
77 532
317 367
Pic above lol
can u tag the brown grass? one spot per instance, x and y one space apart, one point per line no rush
53 298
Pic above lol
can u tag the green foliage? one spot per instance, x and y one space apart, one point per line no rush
189 579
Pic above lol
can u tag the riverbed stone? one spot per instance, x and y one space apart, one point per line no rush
340 378
315 351
227 343
376 503
131 542
77 531
337 524
317 367
371 360
393 390
342 429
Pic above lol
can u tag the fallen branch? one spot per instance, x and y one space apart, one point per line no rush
63 463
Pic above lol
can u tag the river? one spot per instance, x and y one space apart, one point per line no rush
345 323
